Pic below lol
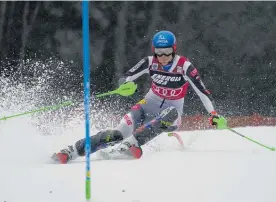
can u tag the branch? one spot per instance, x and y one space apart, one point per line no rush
152 27
120 40
2 19
27 26
24 32
10 19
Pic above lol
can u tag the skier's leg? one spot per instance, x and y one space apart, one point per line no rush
131 146
101 140
131 120
104 138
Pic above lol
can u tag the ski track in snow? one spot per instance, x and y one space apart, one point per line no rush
214 166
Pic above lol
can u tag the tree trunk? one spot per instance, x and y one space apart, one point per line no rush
2 20
27 28
151 31
152 27
10 18
120 36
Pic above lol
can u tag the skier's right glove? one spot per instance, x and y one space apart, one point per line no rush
127 88
218 121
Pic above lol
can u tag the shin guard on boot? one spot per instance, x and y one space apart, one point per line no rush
99 141
131 146
162 123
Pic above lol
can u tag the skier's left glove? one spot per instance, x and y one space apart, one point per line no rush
218 121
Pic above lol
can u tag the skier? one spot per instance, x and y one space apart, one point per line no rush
171 74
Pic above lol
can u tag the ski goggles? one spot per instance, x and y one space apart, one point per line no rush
163 51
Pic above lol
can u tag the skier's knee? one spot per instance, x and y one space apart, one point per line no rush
169 119
126 125
169 114
130 121
137 114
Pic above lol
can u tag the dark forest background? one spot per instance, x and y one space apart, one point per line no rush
231 43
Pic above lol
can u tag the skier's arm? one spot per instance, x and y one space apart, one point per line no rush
193 77
136 71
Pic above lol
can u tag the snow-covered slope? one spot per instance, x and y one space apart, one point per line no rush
214 166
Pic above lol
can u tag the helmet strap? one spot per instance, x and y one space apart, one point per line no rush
173 55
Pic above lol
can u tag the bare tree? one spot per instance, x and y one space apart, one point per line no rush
120 36
152 27
27 27
10 18
2 19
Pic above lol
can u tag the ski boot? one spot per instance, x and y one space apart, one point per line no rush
65 155
128 149
101 140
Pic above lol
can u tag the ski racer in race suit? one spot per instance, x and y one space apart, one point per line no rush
171 75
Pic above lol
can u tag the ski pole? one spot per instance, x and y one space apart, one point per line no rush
67 103
126 89
270 148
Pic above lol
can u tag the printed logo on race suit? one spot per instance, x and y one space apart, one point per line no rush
208 92
162 39
136 107
179 69
137 65
163 80
194 72
155 66
168 93
128 120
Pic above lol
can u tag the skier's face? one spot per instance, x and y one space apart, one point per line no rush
164 60
164 55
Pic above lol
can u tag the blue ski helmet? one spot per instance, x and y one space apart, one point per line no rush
164 39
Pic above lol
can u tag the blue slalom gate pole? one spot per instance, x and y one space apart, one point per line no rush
86 85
